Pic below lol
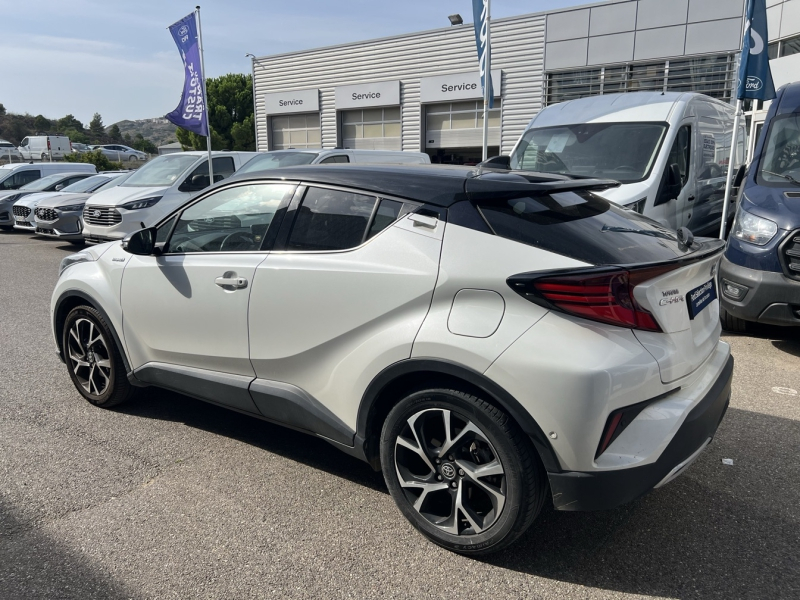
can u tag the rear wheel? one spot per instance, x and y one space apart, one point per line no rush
731 323
461 471
94 362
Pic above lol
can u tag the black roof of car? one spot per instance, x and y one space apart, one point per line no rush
440 185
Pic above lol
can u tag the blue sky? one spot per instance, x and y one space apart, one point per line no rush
118 59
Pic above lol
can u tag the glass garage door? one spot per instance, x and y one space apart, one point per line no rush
296 131
372 129
454 131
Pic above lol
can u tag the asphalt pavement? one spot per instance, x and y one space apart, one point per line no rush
169 497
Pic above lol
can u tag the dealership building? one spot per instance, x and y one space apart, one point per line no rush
421 91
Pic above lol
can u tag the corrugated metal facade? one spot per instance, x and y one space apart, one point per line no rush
517 50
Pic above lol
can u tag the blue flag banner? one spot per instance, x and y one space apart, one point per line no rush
190 113
480 14
755 77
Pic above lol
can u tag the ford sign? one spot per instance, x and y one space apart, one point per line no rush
753 84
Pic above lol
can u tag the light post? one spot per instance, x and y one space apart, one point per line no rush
255 114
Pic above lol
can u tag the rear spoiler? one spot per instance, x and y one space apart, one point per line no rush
487 183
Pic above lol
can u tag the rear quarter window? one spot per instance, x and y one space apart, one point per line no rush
583 226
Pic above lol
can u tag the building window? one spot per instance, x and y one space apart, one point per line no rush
711 75
296 131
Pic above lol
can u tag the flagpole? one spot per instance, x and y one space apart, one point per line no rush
205 95
487 53
731 162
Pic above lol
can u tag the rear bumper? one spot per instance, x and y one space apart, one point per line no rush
609 489
771 298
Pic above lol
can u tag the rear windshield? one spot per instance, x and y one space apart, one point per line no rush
274 160
583 226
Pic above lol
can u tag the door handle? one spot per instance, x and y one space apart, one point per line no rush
230 280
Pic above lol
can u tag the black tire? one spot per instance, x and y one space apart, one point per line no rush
731 323
523 480
113 387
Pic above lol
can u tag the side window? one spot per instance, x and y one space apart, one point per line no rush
198 180
680 153
163 230
24 142
388 212
341 158
25 177
235 219
331 220
72 180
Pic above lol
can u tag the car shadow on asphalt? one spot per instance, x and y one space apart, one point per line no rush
153 403
785 339
36 566
716 531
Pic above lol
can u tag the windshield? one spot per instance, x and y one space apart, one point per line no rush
162 171
781 157
86 185
621 151
43 183
273 160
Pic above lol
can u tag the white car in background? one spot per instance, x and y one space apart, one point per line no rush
9 152
155 189
491 341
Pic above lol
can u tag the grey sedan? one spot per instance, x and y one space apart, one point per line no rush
60 215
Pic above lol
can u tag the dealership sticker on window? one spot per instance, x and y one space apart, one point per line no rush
700 297
557 143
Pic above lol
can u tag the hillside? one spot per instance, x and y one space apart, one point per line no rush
159 131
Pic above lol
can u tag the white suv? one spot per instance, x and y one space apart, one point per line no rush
490 340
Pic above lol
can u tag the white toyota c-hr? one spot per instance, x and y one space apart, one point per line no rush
491 341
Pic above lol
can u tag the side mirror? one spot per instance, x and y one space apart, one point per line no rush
59 187
739 177
497 162
673 175
142 242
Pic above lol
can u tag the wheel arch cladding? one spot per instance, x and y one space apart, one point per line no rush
405 377
72 299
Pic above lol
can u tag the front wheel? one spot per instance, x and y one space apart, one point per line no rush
461 471
94 362
731 323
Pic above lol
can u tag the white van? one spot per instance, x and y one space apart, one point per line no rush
290 158
154 190
670 152
14 176
44 147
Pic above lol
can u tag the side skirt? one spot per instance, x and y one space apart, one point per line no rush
273 401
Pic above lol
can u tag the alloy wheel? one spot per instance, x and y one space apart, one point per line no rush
449 472
89 356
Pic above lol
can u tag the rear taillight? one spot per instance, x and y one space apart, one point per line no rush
604 294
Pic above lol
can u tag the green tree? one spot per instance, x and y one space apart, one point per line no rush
40 123
69 122
114 133
2 110
230 105
140 143
96 129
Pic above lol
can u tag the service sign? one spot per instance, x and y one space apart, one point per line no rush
461 86
383 93
298 101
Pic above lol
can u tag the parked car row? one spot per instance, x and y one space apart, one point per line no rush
55 147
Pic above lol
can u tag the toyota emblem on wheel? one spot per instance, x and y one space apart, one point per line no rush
448 470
